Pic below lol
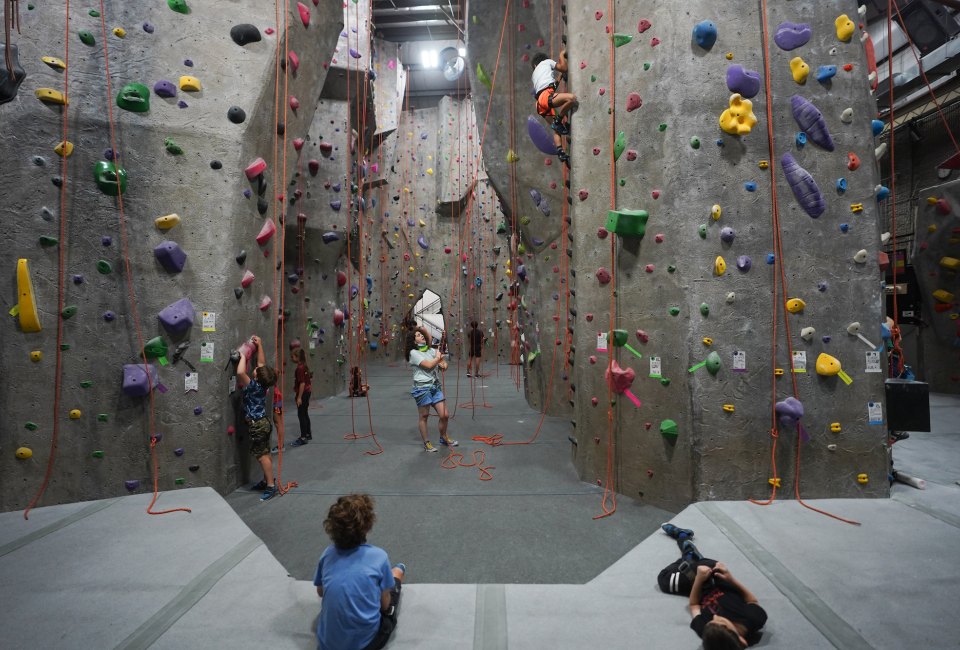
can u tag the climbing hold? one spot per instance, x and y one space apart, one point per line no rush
861 256
68 312
266 231
704 309
847 116
177 317
728 408
619 144
719 266
164 88
482 76
134 97
882 192
64 149
695 142
23 453
705 34
170 256
422 243
702 231
603 276
621 39
75 414
36 356
790 36
633 102
841 185
236 114
716 211
51 96
727 234
304 14
110 178
104 267
167 222
807 333
86 37
172 147
744 263
880 150
853 161
799 69
27 303
133 485
795 305
827 365
255 168
856 207
763 164
138 379
742 81
826 72
155 348
265 303
47 241
801 139
244 34
53 62
863 479
844 27
750 186
713 363
950 263
190 84
804 188
627 223
738 119
512 156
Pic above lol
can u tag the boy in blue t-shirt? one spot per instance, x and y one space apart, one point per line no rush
360 592
254 392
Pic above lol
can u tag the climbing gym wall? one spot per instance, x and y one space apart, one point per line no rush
148 147
724 251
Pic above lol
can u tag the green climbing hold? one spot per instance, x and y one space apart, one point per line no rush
102 417
110 178
180 6
64 347
695 142
664 381
593 77
179 481
704 309
155 348
68 311
47 242
621 39
501 228
86 383
623 182
521 248
31 426
703 231
473 19
94 13
619 145
524 220
134 98
619 338
482 76
713 363
671 268
104 267
627 223
87 38
532 356
646 65
668 428
97 454
674 311
663 126
172 147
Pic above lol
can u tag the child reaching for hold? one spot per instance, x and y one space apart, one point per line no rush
551 105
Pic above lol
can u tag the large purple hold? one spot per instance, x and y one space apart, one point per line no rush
743 81
790 411
136 380
177 318
330 237
336 205
535 195
804 187
170 256
422 243
545 207
355 54
165 88
541 137
811 121
790 36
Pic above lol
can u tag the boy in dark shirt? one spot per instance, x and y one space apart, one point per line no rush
726 615
254 392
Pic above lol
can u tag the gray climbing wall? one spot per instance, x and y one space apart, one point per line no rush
388 86
183 156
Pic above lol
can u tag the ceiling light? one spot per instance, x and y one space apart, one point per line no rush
428 59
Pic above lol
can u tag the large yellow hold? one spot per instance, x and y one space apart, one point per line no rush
738 119
950 263
796 305
29 318
167 222
799 69
942 295
844 27
827 366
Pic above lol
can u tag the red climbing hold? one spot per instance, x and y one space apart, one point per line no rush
265 303
644 25
598 15
294 61
304 13
266 232
294 103
631 155
583 194
255 168
341 278
603 276
248 278
633 102
313 166
298 143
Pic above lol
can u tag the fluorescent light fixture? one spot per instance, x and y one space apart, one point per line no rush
429 58
462 51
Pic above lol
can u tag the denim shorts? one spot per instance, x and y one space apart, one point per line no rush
427 395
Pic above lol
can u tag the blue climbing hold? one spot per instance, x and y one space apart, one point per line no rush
750 186
801 139
705 34
883 192
876 126
771 258
841 185
826 72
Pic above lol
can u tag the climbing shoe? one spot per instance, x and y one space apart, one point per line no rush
564 158
677 533
428 446
690 552
560 127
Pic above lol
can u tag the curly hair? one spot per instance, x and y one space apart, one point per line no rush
267 376
411 343
349 520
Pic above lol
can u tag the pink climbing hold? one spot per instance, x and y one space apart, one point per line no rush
592 359
655 194
596 151
341 279
649 268
644 25
304 13
255 168
583 194
294 61
631 154
602 91
248 278
589 318
265 303
603 276
266 232
658 238
583 64
337 317
654 41
642 336
294 103
620 379
633 102
298 143
598 15
942 206
326 149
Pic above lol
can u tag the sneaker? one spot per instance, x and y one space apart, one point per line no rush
275 450
259 487
401 566
690 552
679 534
428 446
308 436
269 493
299 442
469 375
447 442
560 127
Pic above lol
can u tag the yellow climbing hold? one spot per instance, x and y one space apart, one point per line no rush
190 84
728 408
827 365
799 69
27 305
422 223
36 355
729 56
167 222
512 156
845 27
719 266
715 211
119 32
23 453
64 149
942 295
738 119
795 305
763 164
75 414
950 263
54 62
51 96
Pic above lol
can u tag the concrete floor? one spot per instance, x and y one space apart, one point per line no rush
105 574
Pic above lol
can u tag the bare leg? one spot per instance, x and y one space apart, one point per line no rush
267 465
441 408
422 423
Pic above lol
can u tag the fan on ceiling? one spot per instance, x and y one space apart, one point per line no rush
451 63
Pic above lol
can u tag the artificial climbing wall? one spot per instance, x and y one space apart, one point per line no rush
203 116
706 347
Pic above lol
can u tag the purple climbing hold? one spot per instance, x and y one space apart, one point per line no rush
811 121
804 187
178 451
354 290
106 240
336 188
330 237
826 339
138 380
131 485
248 192
148 28
424 135
743 81
422 243
78 279
744 263
537 241
536 196
197 410
545 207
727 234
336 205
188 63
177 317
790 36
109 316
293 278
164 88
410 222
355 54
170 256
182 104
542 138
108 154
822 286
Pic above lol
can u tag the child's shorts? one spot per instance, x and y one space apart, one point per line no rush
427 395
259 431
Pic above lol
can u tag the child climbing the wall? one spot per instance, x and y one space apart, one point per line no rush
551 105
253 388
